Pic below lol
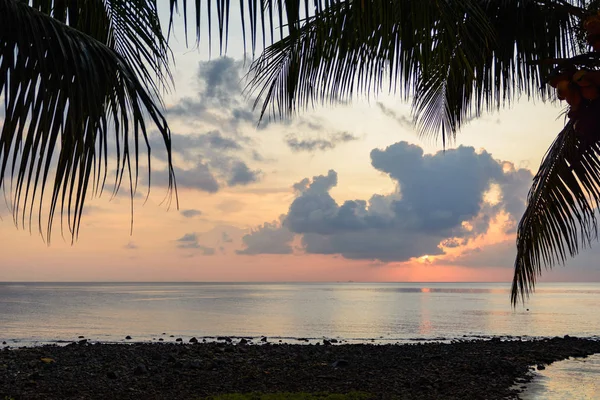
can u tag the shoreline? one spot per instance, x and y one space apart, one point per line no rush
474 369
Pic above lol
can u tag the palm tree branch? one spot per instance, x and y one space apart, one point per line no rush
65 94
130 27
560 217
478 54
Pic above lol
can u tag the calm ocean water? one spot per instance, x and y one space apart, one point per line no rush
34 313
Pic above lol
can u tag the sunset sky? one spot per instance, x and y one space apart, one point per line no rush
338 193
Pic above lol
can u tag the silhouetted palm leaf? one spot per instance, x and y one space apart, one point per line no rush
457 59
65 93
130 27
562 204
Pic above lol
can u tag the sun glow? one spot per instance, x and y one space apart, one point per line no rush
426 259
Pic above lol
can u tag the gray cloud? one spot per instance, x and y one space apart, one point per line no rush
189 146
190 241
225 238
270 238
190 213
400 119
219 99
211 164
435 195
310 145
242 175
218 156
199 177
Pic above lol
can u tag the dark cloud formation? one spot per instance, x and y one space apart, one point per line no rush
190 213
310 145
436 194
190 241
270 238
225 238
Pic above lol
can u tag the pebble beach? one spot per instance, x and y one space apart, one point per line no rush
191 369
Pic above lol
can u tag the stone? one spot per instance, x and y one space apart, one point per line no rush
340 363
179 339
333 340
128 337
326 342
80 337
243 341
140 369
194 364
112 375
263 339
540 367
193 340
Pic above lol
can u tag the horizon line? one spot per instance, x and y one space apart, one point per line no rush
288 282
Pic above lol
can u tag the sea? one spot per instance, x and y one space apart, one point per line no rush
41 313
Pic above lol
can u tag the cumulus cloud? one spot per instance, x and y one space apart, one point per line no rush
436 195
190 241
270 238
309 145
190 213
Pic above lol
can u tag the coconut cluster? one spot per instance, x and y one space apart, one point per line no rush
580 87
577 87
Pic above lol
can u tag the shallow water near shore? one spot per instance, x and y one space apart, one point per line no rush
38 313
574 379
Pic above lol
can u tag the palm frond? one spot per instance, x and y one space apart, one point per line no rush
64 94
458 59
560 217
130 27
258 19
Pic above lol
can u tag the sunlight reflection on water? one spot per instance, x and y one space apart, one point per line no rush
573 379
354 311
